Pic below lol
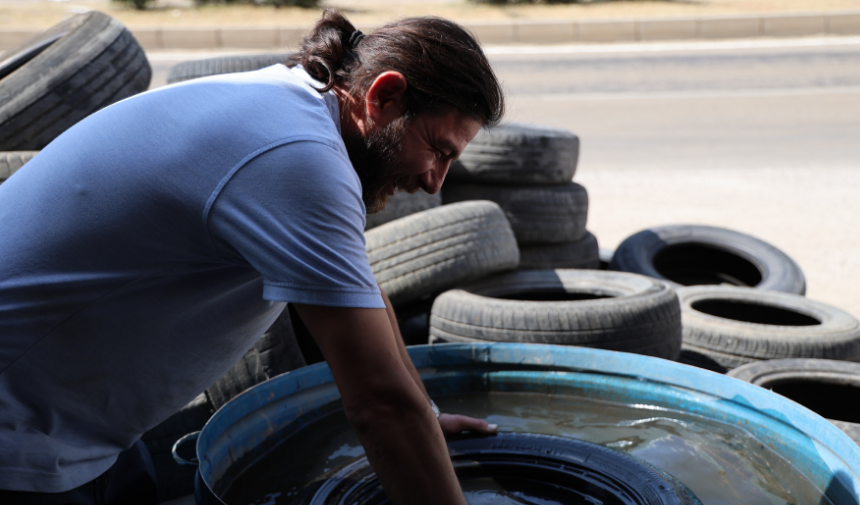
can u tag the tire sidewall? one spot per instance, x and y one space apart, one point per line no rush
779 272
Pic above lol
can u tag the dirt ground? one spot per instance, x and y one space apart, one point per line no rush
24 14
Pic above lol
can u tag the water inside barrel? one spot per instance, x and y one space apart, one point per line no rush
720 463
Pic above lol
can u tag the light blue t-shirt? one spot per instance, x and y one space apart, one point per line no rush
149 246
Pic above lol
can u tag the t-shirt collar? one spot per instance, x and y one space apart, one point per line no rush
329 98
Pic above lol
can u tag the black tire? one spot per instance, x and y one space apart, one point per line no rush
827 387
550 469
696 255
605 255
278 348
584 253
538 214
518 154
850 429
435 249
415 330
10 162
93 62
588 308
223 65
733 326
413 319
311 352
403 204
245 373
714 361
276 352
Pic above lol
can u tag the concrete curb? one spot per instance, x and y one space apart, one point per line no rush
516 32
701 28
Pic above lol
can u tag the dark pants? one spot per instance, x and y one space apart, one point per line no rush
131 480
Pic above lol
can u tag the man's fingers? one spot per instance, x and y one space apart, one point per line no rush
453 424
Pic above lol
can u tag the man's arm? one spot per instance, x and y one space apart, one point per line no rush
451 423
387 409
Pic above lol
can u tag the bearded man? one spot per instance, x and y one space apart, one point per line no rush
148 247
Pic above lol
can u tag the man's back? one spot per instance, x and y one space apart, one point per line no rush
138 249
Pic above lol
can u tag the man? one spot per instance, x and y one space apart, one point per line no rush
148 247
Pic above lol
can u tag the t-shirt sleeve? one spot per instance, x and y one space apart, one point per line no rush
295 214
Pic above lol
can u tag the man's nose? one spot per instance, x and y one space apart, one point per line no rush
434 178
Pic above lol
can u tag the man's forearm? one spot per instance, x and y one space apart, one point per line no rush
389 412
402 346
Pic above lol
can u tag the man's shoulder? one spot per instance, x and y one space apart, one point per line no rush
224 121
261 105
277 87
279 75
315 167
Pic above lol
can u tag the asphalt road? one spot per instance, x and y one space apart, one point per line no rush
759 136
697 105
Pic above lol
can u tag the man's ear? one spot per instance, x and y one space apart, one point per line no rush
386 97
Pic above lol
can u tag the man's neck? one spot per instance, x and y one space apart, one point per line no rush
352 125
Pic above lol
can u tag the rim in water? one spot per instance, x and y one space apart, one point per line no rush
516 468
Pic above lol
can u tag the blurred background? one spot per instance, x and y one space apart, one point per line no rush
742 114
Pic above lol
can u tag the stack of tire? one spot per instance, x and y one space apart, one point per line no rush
416 257
741 298
449 273
553 297
528 171
744 313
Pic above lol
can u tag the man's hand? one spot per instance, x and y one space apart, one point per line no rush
453 424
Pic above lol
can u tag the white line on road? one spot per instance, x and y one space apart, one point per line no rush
646 47
704 93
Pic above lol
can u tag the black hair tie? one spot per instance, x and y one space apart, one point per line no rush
355 38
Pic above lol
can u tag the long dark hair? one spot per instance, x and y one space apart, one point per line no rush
442 63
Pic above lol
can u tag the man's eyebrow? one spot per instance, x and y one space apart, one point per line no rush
448 148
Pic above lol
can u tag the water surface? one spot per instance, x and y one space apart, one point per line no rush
722 464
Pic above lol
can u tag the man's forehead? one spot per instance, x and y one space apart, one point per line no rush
455 123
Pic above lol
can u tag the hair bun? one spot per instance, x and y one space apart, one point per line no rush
355 38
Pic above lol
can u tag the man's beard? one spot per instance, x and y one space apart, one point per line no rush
376 160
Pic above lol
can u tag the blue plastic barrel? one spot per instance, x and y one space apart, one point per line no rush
252 423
